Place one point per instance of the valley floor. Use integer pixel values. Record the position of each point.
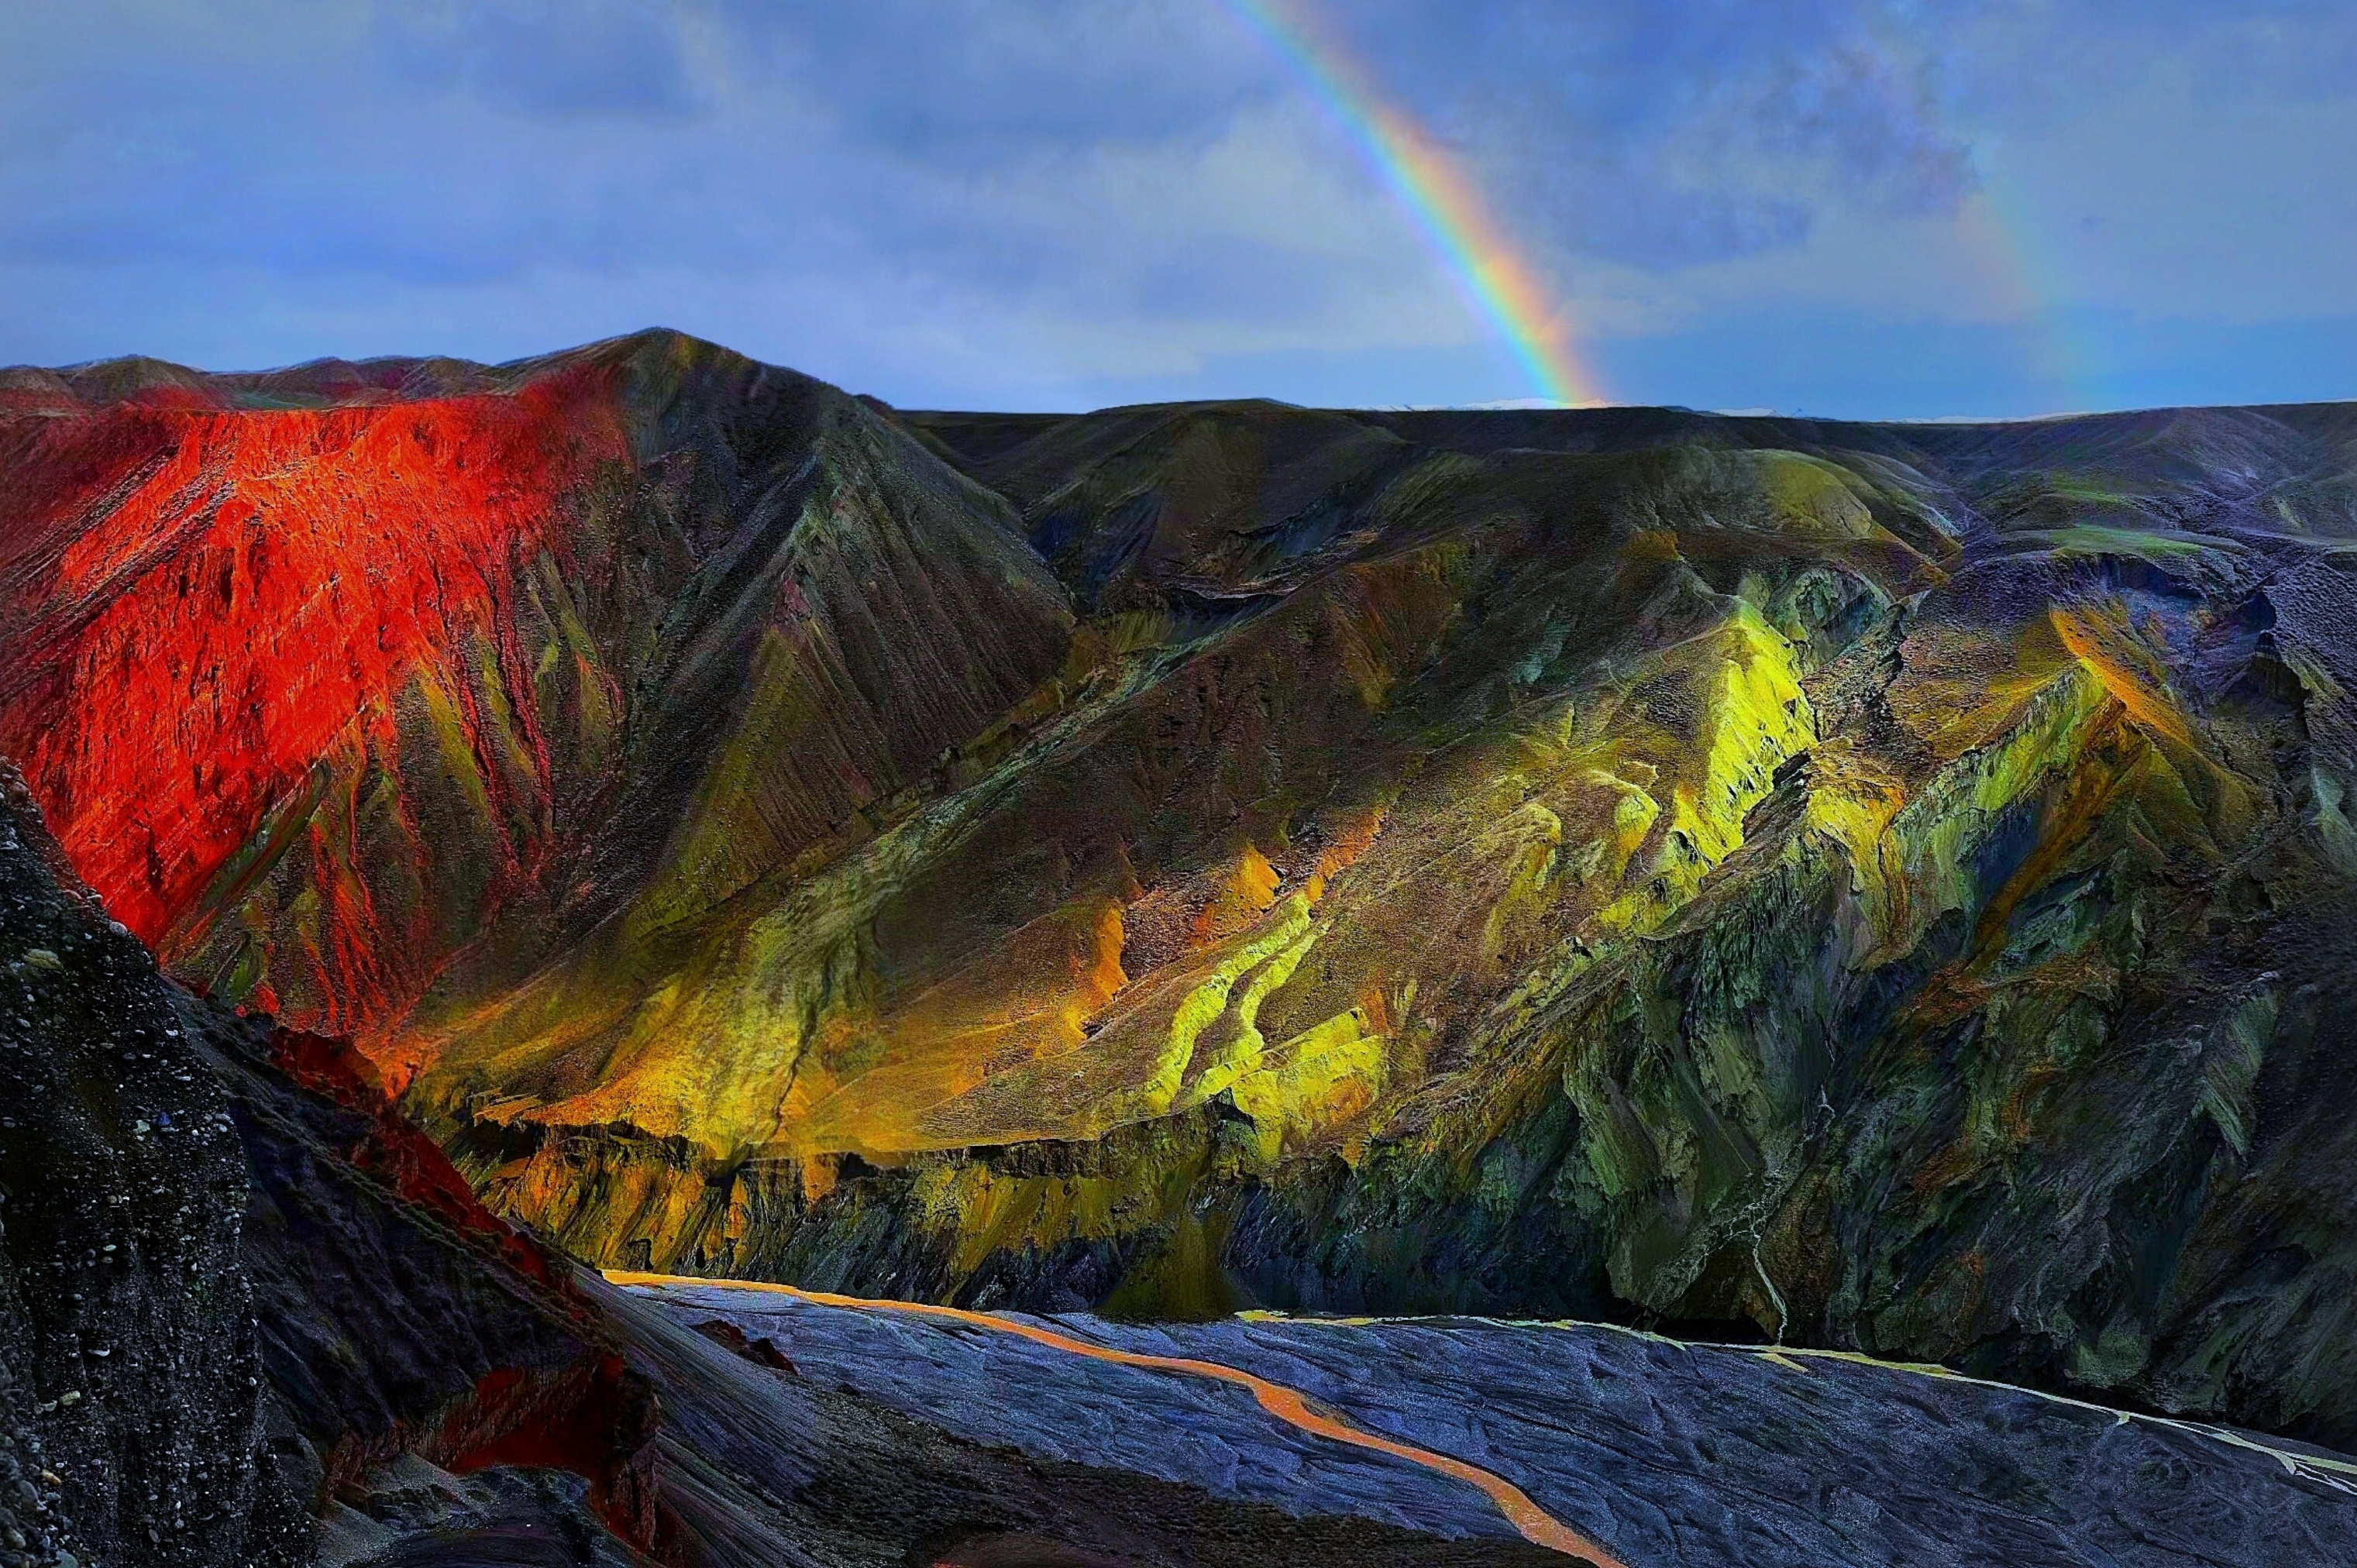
(1617, 1446)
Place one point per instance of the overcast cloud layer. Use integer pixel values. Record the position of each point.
(1865, 206)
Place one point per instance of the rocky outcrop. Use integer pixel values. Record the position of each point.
(135, 1420)
(230, 1300)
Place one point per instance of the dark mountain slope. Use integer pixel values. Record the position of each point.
(220, 1321)
(128, 1346)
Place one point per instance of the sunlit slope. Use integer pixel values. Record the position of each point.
(1885, 884)
(1839, 885)
(334, 677)
(1222, 856)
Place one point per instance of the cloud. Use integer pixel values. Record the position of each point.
(624, 58)
(978, 201)
(1675, 132)
(974, 84)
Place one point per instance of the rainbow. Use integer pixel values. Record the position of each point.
(1444, 204)
(1996, 231)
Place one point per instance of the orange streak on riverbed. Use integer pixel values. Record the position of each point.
(1535, 1523)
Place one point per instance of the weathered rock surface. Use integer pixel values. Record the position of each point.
(132, 1414)
(229, 1300)
(768, 1467)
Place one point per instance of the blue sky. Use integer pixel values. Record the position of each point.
(1895, 207)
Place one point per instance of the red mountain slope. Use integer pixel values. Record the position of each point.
(219, 597)
(444, 661)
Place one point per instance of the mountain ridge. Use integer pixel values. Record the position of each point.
(1869, 882)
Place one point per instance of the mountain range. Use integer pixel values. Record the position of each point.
(1869, 887)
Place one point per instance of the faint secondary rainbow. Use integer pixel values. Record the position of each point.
(1999, 234)
(1443, 203)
